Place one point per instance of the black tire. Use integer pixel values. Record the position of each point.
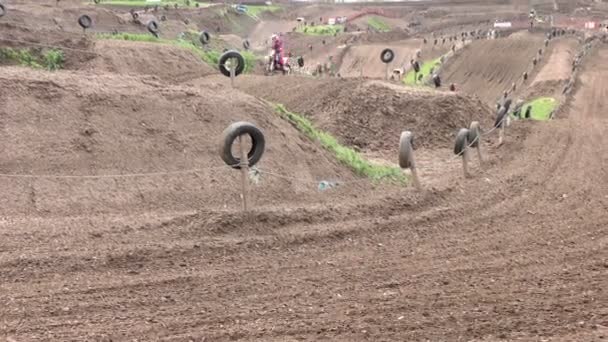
(301, 62)
(163, 18)
(204, 37)
(153, 27)
(246, 44)
(240, 67)
(406, 150)
(97, 1)
(416, 66)
(500, 116)
(528, 113)
(461, 141)
(231, 133)
(135, 15)
(474, 134)
(85, 21)
(387, 56)
(437, 81)
(507, 104)
(2, 10)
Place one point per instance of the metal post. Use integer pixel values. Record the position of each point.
(244, 163)
(386, 72)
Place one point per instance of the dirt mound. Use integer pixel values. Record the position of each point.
(486, 68)
(72, 123)
(364, 60)
(171, 63)
(372, 114)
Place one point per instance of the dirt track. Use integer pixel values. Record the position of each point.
(518, 252)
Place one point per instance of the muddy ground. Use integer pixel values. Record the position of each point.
(119, 221)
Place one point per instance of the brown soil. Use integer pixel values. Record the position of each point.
(170, 63)
(487, 68)
(82, 124)
(371, 114)
(516, 252)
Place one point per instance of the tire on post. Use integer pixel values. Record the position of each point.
(461, 141)
(234, 55)
(84, 21)
(474, 134)
(387, 56)
(204, 37)
(406, 148)
(500, 117)
(231, 133)
(153, 28)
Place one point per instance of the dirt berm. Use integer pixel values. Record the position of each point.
(486, 68)
(371, 114)
(171, 63)
(77, 124)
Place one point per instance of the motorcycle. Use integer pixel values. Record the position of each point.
(272, 64)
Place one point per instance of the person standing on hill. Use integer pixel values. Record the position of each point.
(277, 47)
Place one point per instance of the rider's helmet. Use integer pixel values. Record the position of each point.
(274, 36)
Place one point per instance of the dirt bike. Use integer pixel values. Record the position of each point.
(272, 63)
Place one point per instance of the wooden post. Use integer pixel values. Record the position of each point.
(479, 152)
(415, 174)
(232, 75)
(386, 72)
(465, 159)
(244, 163)
(501, 133)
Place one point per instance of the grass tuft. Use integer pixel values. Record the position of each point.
(378, 24)
(541, 108)
(51, 59)
(425, 69)
(321, 30)
(345, 155)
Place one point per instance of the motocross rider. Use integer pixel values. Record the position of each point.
(277, 48)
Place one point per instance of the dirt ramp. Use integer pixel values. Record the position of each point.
(486, 68)
(73, 124)
(170, 63)
(364, 60)
(372, 114)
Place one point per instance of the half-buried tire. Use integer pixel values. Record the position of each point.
(231, 55)
(231, 133)
(406, 150)
(474, 134)
(2, 10)
(153, 28)
(205, 37)
(460, 144)
(387, 56)
(246, 44)
(84, 21)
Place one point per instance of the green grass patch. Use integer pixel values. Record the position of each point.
(321, 30)
(541, 108)
(52, 59)
(144, 3)
(425, 69)
(378, 24)
(188, 42)
(345, 155)
(256, 10)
